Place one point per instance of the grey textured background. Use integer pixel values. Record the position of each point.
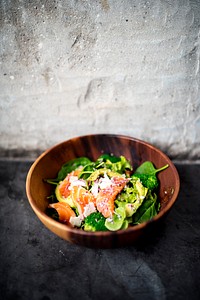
(71, 68)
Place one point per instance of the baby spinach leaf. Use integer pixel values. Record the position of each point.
(147, 210)
(88, 169)
(111, 158)
(71, 166)
(148, 168)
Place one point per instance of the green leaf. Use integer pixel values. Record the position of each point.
(148, 168)
(147, 210)
(111, 158)
(69, 167)
(116, 164)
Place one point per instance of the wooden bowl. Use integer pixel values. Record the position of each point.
(137, 151)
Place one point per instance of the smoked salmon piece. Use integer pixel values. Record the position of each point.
(63, 190)
(72, 186)
(106, 197)
(64, 211)
(81, 197)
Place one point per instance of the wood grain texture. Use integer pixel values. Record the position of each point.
(92, 146)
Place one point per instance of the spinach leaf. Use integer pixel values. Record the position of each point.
(111, 158)
(147, 210)
(69, 167)
(88, 169)
(148, 168)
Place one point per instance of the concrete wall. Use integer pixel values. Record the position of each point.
(71, 68)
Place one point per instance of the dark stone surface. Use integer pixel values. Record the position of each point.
(36, 264)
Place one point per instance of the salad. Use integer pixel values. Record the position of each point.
(106, 194)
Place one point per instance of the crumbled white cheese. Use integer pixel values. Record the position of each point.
(73, 178)
(110, 220)
(79, 182)
(74, 181)
(95, 189)
(88, 209)
(76, 221)
(105, 182)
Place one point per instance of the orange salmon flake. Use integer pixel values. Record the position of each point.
(64, 211)
(106, 197)
(65, 184)
(81, 197)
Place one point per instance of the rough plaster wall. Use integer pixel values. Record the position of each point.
(70, 68)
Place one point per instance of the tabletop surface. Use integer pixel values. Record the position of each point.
(36, 264)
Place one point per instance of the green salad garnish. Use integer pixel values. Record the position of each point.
(106, 194)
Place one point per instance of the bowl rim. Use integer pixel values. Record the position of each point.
(77, 231)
